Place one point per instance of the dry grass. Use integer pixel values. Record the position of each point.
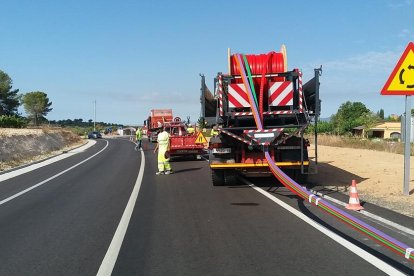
(362, 143)
(22, 146)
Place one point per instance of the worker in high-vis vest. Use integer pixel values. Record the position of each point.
(163, 146)
(190, 129)
(214, 131)
(138, 137)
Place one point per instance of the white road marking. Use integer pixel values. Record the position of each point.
(400, 228)
(111, 255)
(50, 178)
(350, 246)
(23, 170)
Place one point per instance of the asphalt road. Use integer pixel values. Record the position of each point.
(180, 224)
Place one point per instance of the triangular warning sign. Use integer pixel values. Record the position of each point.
(200, 139)
(401, 80)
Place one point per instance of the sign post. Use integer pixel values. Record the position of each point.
(401, 82)
(407, 146)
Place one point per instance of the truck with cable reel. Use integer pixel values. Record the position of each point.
(284, 108)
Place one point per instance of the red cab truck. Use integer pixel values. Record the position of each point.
(155, 121)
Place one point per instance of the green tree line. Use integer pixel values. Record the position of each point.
(349, 116)
(36, 104)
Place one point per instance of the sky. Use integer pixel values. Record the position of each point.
(134, 56)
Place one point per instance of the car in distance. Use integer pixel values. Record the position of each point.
(94, 135)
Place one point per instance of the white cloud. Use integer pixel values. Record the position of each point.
(399, 4)
(405, 34)
(356, 78)
(370, 62)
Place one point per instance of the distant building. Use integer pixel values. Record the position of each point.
(126, 131)
(394, 117)
(386, 130)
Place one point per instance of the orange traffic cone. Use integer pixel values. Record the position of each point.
(353, 198)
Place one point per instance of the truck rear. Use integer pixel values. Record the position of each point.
(183, 143)
(276, 124)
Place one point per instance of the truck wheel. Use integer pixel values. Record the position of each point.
(230, 177)
(217, 177)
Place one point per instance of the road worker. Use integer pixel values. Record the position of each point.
(138, 138)
(190, 129)
(163, 147)
(214, 131)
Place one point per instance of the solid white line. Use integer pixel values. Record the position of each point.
(35, 166)
(111, 255)
(394, 225)
(350, 246)
(50, 178)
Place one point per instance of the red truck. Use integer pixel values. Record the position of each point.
(260, 106)
(155, 121)
(183, 143)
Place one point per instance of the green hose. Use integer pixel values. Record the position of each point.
(249, 75)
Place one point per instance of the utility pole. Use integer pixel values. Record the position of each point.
(94, 111)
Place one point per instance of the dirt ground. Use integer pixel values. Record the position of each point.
(379, 175)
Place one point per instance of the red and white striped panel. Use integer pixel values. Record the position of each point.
(263, 130)
(237, 114)
(281, 93)
(234, 136)
(220, 87)
(238, 96)
(300, 92)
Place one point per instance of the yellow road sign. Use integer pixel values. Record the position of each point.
(200, 139)
(401, 80)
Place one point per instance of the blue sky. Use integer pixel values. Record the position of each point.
(132, 56)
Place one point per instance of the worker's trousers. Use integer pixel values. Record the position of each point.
(163, 163)
(138, 145)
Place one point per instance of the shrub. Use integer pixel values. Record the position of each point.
(12, 121)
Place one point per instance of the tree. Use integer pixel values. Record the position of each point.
(349, 115)
(9, 99)
(201, 123)
(369, 120)
(380, 114)
(37, 105)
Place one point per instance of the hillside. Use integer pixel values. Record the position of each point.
(20, 146)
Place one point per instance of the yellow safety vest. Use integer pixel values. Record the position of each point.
(139, 134)
(214, 132)
(163, 141)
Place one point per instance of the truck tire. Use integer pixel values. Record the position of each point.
(230, 178)
(217, 177)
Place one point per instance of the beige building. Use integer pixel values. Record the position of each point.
(386, 130)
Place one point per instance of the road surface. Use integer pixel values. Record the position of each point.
(104, 209)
